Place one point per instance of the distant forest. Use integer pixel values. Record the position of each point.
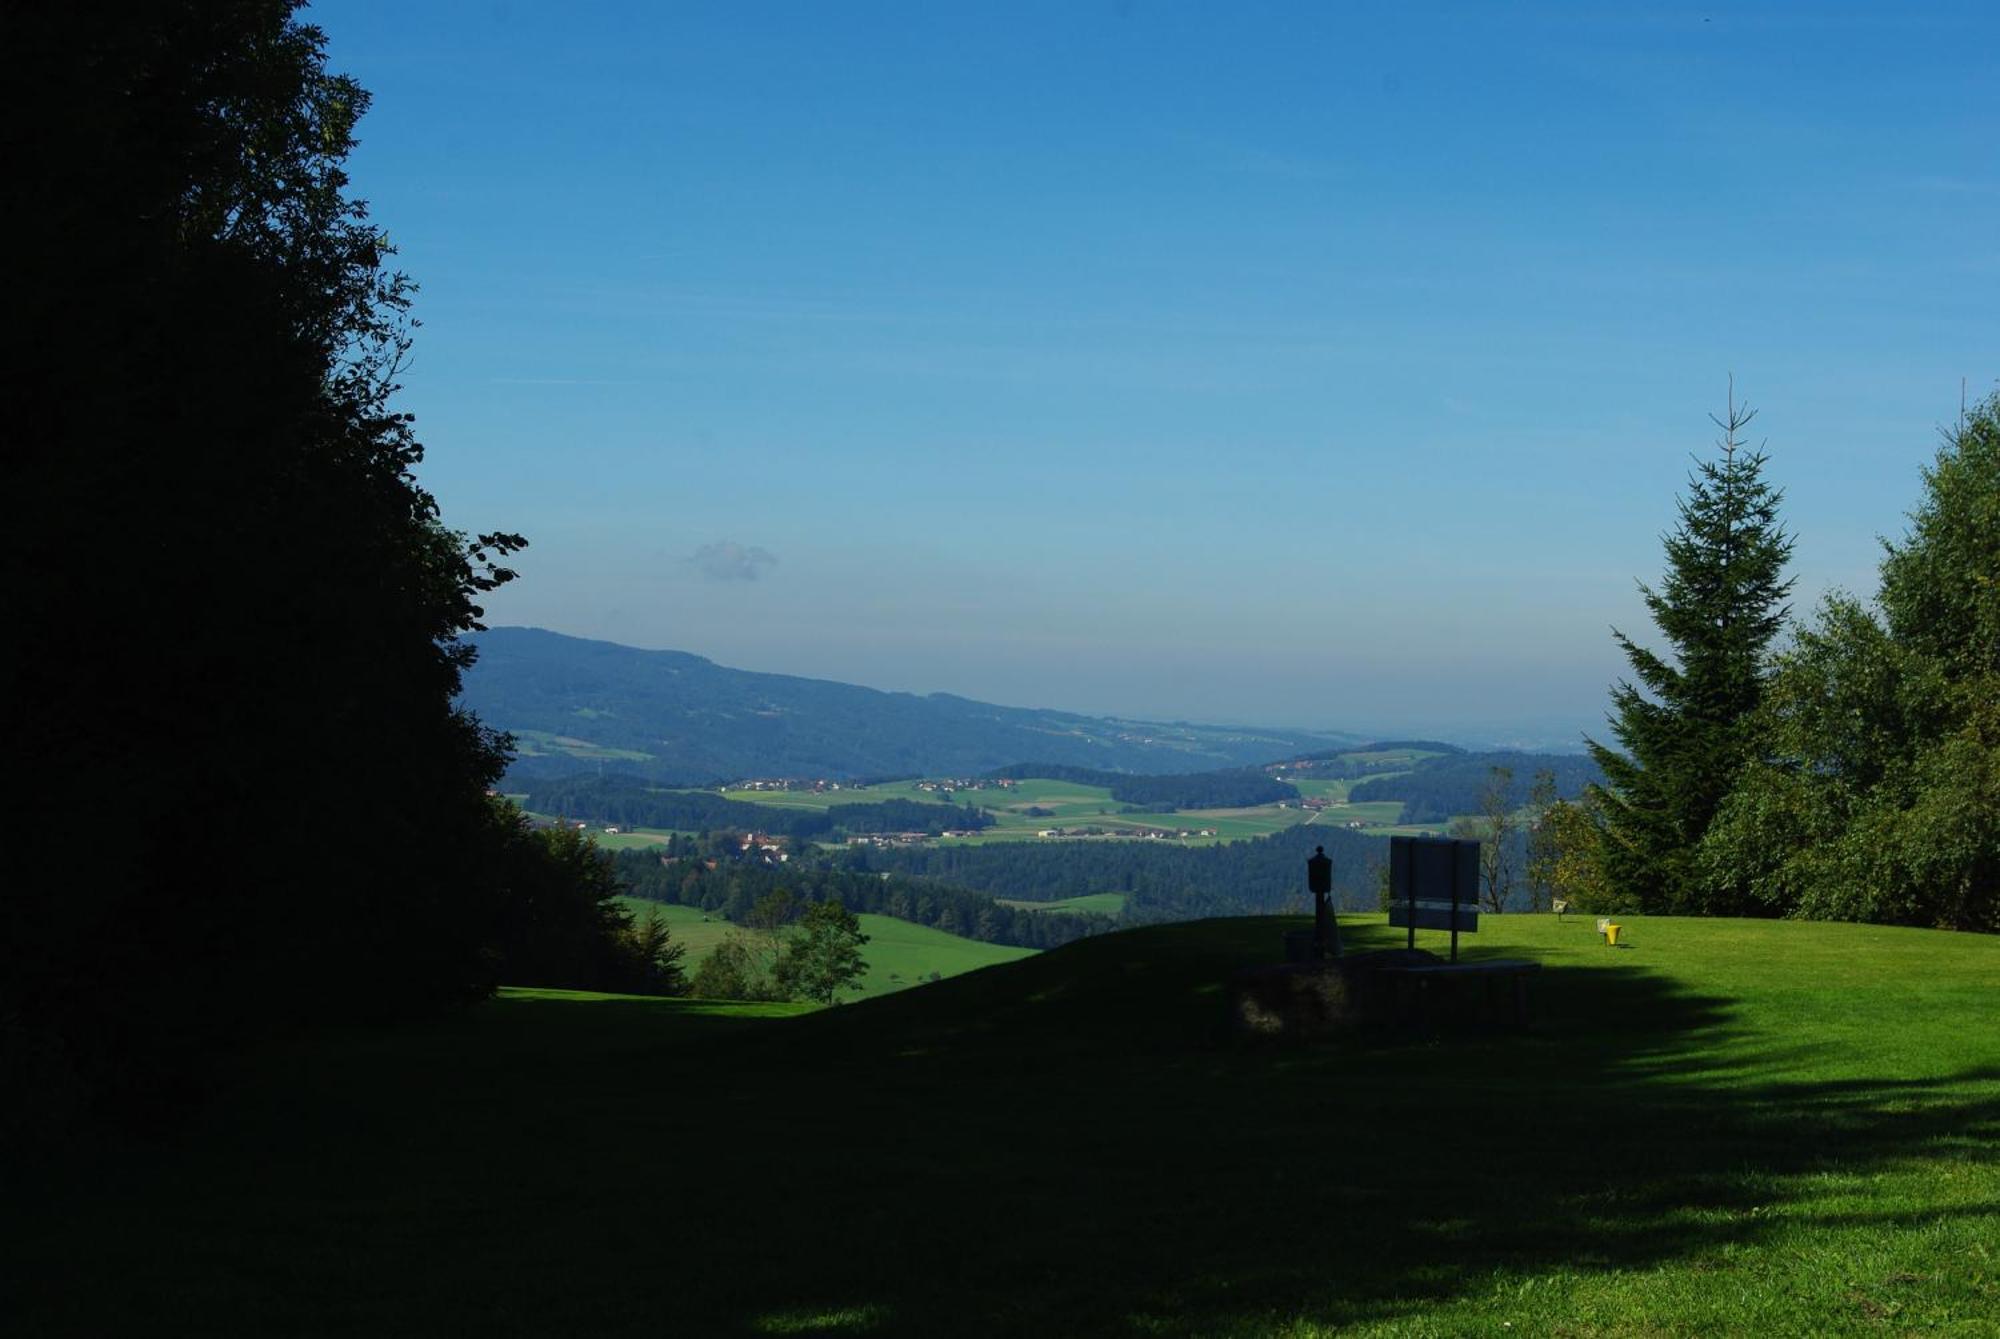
(1340, 765)
(680, 719)
(731, 889)
(1161, 882)
(1232, 788)
(631, 802)
(1440, 788)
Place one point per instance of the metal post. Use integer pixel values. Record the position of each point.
(1454, 906)
(1410, 875)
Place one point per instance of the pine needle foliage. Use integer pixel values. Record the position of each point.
(1681, 722)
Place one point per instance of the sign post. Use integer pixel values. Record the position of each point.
(1434, 885)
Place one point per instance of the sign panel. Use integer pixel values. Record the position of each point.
(1430, 916)
(1433, 869)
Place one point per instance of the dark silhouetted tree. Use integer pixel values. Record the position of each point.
(230, 608)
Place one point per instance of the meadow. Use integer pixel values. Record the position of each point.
(1090, 904)
(899, 953)
(1730, 1127)
(826, 799)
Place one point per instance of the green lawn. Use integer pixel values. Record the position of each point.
(899, 953)
(1729, 1128)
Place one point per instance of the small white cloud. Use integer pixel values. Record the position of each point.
(726, 560)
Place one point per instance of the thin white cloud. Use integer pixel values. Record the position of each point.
(726, 560)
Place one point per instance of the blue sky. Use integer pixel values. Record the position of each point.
(1313, 364)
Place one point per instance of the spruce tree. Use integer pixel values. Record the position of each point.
(1682, 729)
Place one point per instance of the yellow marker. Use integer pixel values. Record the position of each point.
(1611, 929)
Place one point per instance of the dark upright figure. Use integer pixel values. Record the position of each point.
(1319, 878)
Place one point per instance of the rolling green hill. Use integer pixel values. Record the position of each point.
(1732, 1127)
(674, 717)
(899, 954)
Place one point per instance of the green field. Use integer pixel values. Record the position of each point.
(899, 953)
(697, 930)
(1337, 790)
(1729, 1128)
(826, 799)
(1069, 804)
(634, 838)
(1093, 904)
(542, 743)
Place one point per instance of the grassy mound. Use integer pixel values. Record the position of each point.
(1731, 1126)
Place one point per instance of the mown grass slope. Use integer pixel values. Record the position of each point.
(1730, 1127)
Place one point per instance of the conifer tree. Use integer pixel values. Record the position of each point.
(1682, 729)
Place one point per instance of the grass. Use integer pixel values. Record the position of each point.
(697, 930)
(1729, 1128)
(1094, 904)
(631, 839)
(899, 954)
(826, 799)
(1336, 789)
(542, 744)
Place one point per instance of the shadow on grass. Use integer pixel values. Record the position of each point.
(1064, 1145)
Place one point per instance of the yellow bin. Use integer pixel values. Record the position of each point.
(1611, 934)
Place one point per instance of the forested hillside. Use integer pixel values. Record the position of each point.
(1437, 789)
(632, 803)
(1162, 882)
(674, 717)
(733, 888)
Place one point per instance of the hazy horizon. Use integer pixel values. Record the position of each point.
(1548, 736)
(1286, 366)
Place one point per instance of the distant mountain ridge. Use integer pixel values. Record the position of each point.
(674, 717)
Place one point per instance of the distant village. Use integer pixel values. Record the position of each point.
(934, 785)
(1142, 834)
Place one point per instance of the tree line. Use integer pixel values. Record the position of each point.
(732, 889)
(1342, 764)
(1161, 881)
(632, 802)
(1848, 771)
(1230, 788)
(1437, 789)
